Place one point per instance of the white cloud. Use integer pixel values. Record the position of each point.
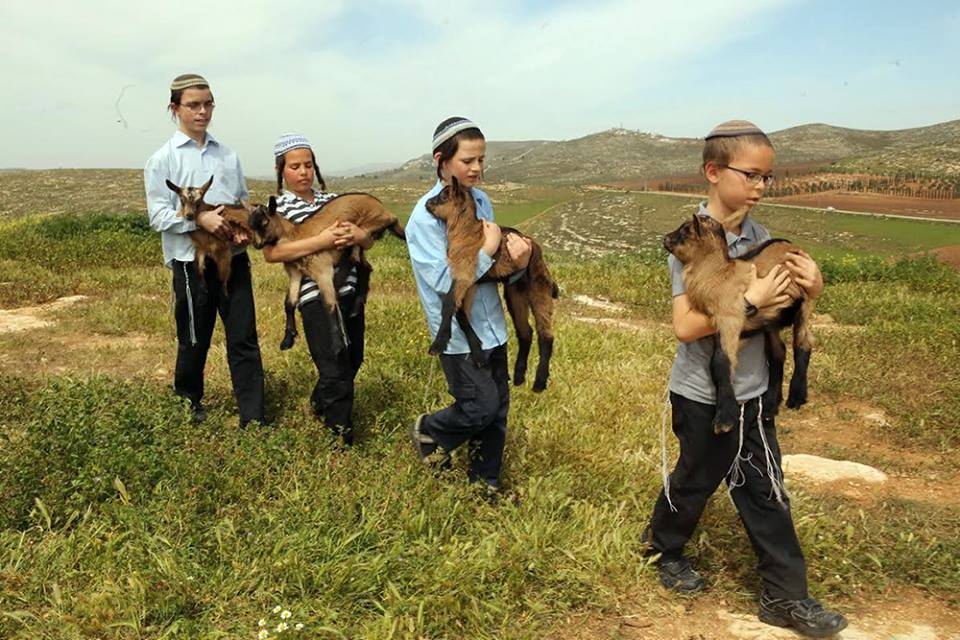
(274, 69)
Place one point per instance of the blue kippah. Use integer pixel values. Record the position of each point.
(288, 142)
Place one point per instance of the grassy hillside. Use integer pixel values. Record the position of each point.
(119, 518)
(618, 155)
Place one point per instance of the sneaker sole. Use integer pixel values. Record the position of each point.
(773, 620)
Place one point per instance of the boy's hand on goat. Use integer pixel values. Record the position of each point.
(769, 290)
(518, 248)
(241, 238)
(212, 222)
(348, 234)
(805, 272)
(491, 237)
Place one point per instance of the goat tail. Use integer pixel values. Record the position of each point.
(802, 336)
(555, 290)
(397, 229)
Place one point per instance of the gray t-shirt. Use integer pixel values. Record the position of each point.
(690, 376)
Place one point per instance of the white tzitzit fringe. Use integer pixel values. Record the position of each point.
(777, 489)
(663, 450)
(735, 477)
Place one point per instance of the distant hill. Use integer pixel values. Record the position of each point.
(618, 155)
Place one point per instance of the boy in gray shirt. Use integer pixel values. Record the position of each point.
(737, 162)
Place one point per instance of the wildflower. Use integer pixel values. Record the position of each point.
(283, 626)
(263, 635)
(277, 609)
(298, 626)
(285, 614)
(262, 623)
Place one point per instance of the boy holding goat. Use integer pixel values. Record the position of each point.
(737, 163)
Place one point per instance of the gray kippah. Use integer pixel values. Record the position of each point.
(188, 80)
(735, 128)
(451, 129)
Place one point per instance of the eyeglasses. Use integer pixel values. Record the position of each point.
(196, 106)
(753, 178)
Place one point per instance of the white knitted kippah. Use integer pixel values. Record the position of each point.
(288, 142)
(188, 80)
(451, 129)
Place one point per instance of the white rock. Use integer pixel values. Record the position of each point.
(826, 470)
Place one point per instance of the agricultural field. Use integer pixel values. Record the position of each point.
(120, 518)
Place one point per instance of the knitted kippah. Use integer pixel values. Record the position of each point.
(450, 129)
(734, 128)
(288, 142)
(188, 80)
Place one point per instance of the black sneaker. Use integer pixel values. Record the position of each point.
(676, 574)
(806, 617)
(198, 412)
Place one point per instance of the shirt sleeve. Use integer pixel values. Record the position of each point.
(161, 208)
(242, 192)
(676, 276)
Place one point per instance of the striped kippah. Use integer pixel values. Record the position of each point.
(288, 142)
(450, 129)
(188, 80)
(734, 128)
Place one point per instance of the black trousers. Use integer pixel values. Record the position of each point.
(705, 459)
(478, 415)
(196, 305)
(332, 397)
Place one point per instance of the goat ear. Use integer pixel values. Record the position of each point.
(173, 187)
(206, 185)
(697, 227)
(272, 205)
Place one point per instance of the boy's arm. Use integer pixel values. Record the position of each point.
(296, 249)
(688, 323)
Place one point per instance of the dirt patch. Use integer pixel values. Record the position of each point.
(948, 255)
(871, 203)
(25, 318)
(906, 615)
(56, 353)
(599, 303)
(637, 326)
(856, 431)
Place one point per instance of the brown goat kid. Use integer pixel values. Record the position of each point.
(715, 285)
(270, 227)
(534, 291)
(205, 243)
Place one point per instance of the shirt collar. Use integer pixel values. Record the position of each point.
(180, 139)
(747, 227)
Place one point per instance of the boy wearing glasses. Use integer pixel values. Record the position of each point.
(737, 163)
(189, 158)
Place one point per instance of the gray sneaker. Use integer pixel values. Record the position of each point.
(676, 574)
(806, 617)
(423, 443)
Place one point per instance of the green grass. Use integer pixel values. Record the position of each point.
(119, 518)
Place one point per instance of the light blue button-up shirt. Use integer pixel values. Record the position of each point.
(185, 163)
(690, 376)
(427, 243)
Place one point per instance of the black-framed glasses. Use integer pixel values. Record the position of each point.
(752, 177)
(196, 106)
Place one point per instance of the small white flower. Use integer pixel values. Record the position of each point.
(285, 615)
(263, 635)
(277, 609)
(262, 623)
(298, 626)
(283, 626)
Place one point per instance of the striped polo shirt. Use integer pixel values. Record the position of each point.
(297, 210)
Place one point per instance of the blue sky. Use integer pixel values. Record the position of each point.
(368, 81)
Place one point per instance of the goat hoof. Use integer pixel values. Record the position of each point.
(796, 403)
(539, 386)
(286, 344)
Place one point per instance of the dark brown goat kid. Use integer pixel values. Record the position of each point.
(205, 243)
(269, 227)
(534, 291)
(715, 285)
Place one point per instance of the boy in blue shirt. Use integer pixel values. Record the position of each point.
(737, 162)
(478, 415)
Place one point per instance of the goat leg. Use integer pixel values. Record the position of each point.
(473, 340)
(776, 356)
(797, 396)
(519, 310)
(289, 305)
(728, 409)
(446, 323)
